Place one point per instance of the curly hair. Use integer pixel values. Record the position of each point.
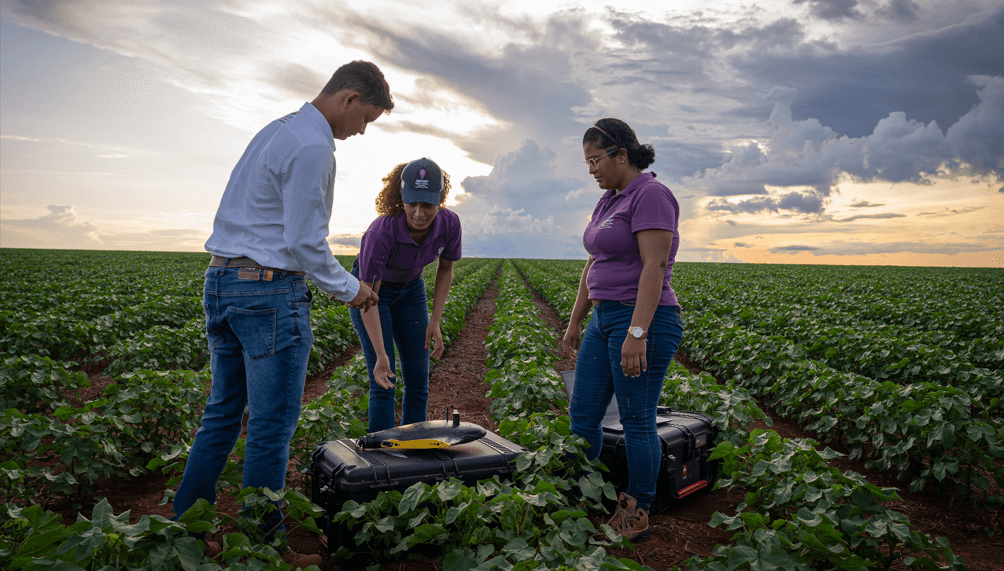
(389, 202)
(610, 133)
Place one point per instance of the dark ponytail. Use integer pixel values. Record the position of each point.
(609, 133)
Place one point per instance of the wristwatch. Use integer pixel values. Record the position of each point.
(637, 332)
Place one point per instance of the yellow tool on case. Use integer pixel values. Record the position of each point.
(424, 435)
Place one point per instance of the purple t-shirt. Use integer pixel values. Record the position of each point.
(646, 204)
(388, 252)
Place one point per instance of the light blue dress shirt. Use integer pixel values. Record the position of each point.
(277, 205)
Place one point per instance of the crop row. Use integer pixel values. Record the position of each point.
(924, 431)
(869, 349)
(967, 303)
(54, 444)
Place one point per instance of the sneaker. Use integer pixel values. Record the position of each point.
(629, 520)
(212, 548)
(301, 560)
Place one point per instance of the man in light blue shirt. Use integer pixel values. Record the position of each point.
(269, 237)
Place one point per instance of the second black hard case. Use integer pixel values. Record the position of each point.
(687, 439)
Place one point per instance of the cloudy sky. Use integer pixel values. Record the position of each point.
(800, 131)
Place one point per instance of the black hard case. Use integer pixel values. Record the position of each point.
(341, 471)
(687, 440)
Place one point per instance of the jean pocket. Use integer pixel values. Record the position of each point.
(255, 328)
(301, 292)
(213, 337)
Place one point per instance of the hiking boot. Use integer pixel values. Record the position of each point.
(212, 548)
(629, 520)
(302, 560)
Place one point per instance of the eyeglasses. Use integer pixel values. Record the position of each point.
(591, 161)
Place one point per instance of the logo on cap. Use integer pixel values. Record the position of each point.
(421, 173)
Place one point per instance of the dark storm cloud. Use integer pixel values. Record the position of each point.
(522, 84)
(804, 203)
(522, 208)
(900, 10)
(809, 153)
(924, 76)
(675, 160)
(833, 10)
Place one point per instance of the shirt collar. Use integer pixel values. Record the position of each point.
(317, 119)
(637, 182)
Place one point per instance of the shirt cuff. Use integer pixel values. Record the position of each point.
(351, 290)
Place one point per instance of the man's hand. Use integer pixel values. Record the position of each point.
(365, 299)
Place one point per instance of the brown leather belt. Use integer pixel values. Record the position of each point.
(217, 262)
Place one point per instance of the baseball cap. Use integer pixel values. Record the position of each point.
(422, 181)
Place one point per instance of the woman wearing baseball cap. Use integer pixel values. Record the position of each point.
(413, 229)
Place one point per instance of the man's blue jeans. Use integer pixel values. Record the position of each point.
(259, 336)
(598, 377)
(404, 316)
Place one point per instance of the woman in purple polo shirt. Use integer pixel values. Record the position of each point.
(413, 229)
(635, 329)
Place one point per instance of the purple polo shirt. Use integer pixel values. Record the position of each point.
(388, 252)
(646, 204)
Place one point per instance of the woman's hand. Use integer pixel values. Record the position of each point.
(570, 342)
(382, 372)
(433, 332)
(633, 361)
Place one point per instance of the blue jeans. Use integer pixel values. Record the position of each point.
(598, 377)
(404, 316)
(259, 336)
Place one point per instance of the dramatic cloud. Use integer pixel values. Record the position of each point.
(833, 10)
(804, 203)
(522, 200)
(807, 153)
(770, 115)
(923, 73)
